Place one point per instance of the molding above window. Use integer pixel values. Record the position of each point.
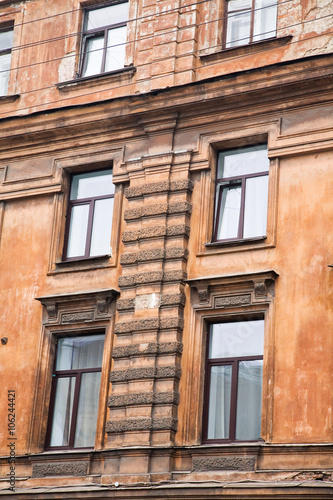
(219, 54)
(117, 76)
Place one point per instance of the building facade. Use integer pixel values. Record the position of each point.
(166, 256)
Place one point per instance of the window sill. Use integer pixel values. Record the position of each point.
(218, 247)
(207, 55)
(84, 264)
(117, 76)
(9, 98)
(235, 242)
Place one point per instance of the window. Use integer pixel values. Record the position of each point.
(75, 392)
(241, 194)
(89, 217)
(6, 43)
(234, 381)
(104, 39)
(250, 21)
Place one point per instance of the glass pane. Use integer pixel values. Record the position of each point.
(229, 213)
(102, 223)
(94, 55)
(78, 231)
(264, 19)
(239, 5)
(113, 14)
(92, 184)
(87, 410)
(80, 352)
(4, 72)
(241, 338)
(249, 400)
(62, 414)
(243, 161)
(6, 39)
(238, 29)
(115, 54)
(219, 402)
(256, 198)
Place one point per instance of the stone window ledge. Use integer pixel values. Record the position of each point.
(117, 76)
(9, 98)
(209, 55)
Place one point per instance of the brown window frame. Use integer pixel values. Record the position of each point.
(242, 43)
(56, 375)
(83, 201)
(225, 183)
(102, 30)
(234, 362)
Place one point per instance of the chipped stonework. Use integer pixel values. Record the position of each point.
(147, 349)
(141, 424)
(233, 301)
(143, 398)
(148, 301)
(145, 373)
(223, 463)
(60, 469)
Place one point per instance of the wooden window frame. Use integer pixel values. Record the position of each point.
(96, 32)
(77, 374)
(83, 201)
(225, 183)
(234, 362)
(226, 21)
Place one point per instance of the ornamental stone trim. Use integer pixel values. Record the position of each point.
(182, 207)
(233, 301)
(132, 280)
(143, 399)
(147, 349)
(78, 317)
(156, 232)
(145, 373)
(173, 299)
(60, 469)
(141, 424)
(125, 304)
(223, 463)
(177, 275)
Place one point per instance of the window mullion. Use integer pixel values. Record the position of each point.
(104, 50)
(89, 228)
(233, 402)
(252, 20)
(242, 209)
(75, 409)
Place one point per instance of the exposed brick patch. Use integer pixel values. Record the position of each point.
(143, 398)
(223, 463)
(147, 349)
(145, 373)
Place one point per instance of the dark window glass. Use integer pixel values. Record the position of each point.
(75, 392)
(6, 43)
(250, 21)
(90, 211)
(241, 194)
(104, 39)
(234, 381)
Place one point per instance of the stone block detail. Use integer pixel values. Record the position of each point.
(60, 469)
(141, 424)
(148, 349)
(223, 463)
(145, 373)
(156, 232)
(139, 325)
(140, 279)
(143, 399)
(151, 255)
(233, 301)
(159, 187)
(177, 275)
(183, 207)
(173, 299)
(124, 304)
(166, 323)
(178, 230)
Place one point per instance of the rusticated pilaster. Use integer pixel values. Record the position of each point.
(148, 347)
